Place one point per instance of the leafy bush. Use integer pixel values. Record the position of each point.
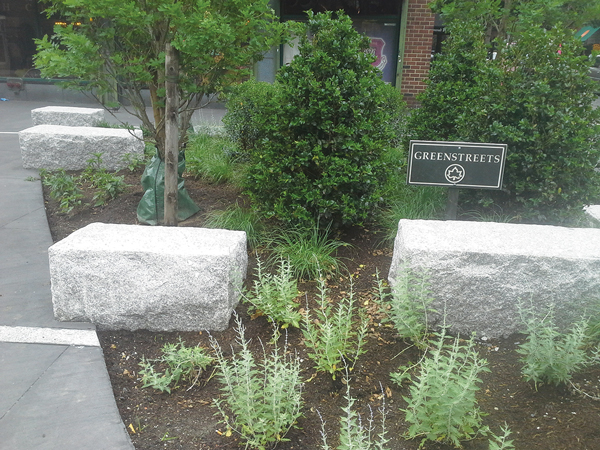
(550, 356)
(530, 97)
(320, 154)
(330, 334)
(262, 400)
(273, 295)
(442, 404)
(407, 306)
(248, 105)
(180, 361)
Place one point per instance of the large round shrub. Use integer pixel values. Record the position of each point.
(536, 97)
(318, 156)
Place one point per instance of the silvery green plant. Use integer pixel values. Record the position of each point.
(550, 356)
(329, 332)
(273, 294)
(354, 435)
(181, 362)
(502, 442)
(442, 404)
(261, 399)
(407, 306)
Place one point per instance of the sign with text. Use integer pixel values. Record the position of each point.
(456, 164)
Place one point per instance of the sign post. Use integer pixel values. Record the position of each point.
(456, 165)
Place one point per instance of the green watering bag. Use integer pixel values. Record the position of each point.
(151, 208)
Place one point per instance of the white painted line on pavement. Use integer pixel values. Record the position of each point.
(9, 132)
(56, 336)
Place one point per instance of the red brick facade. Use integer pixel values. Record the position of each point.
(417, 49)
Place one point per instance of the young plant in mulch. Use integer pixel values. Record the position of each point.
(180, 362)
(354, 434)
(273, 295)
(68, 189)
(63, 188)
(261, 399)
(407, 306)
(550, 356)
(332, 334)
(442, 404)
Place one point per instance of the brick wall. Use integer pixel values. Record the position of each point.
(417, 49)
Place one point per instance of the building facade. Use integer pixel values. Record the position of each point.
(401, 33)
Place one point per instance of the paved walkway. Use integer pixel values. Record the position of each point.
(55, 392)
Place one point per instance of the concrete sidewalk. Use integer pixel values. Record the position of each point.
(55, 392)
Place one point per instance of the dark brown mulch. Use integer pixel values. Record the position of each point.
(551, 418)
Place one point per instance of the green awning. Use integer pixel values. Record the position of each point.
(586, 32)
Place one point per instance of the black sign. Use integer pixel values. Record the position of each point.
(458, 164)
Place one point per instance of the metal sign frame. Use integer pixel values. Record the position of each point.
(468, 165)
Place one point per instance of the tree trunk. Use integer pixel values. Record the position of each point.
(171, 135)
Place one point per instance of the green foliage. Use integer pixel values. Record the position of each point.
(212, 158)
(273, 295)
(63, 188)
(107, 185)
(238, 218)
(67, 189)
(134, 161)
(261, 400)
(442, 404)
(408, 305)
(119, 46)
(502, 442)
(550, 356)
(319, 158)
(411, 202)
(531, 97)
(180, 362)
(310, 251)
(249, 105)
(353, 434)
(330, 334)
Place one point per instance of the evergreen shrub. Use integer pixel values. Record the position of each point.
(536, 96)
(318, 158)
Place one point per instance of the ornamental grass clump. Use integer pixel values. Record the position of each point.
(273, 295)
(442, 404)
(311, 251)
(261, 400)
(330, 332)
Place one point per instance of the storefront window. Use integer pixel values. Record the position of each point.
(351, 7)
(21, 21)
(377, 19)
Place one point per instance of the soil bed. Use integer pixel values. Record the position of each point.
(550, 418)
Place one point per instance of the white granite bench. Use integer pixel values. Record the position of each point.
(593, 214)
(54, 147)
(67, 116)
(479, 272)
(156, 278)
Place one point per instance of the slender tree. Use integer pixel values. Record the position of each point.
(118, 47)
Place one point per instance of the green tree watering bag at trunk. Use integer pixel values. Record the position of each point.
(150, 210)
